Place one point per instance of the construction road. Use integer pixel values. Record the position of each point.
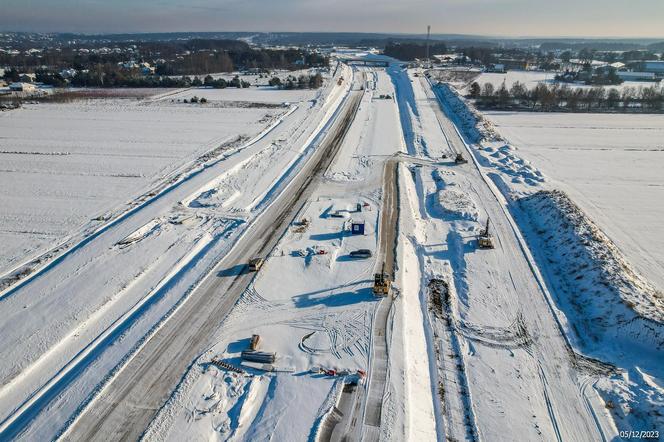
(124, 409)
(379, 356)
(548, 365)
(368, 401)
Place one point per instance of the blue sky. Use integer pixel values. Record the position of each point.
(619, 18)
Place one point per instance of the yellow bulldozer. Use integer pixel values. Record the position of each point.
(382, 283)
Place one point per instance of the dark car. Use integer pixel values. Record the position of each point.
(361, 253)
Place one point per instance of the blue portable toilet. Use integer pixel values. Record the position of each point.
(357, 228)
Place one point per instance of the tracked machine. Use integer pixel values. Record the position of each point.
(485, 240)
(382, 283)
(459, 159)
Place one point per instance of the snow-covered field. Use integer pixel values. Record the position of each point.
(261, 94)
(550, 335)
(64, 164)
(502, 361)
(531, 78)
(610, 164)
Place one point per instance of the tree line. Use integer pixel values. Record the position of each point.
(301, 82)
(188, 57)
(169, 58)
(410, 51)
(557, 97)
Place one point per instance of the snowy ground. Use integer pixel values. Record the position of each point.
(501, 361)
(64, 164)
(261, 94)
(531, 78)
(495, 344)
(609, 311)
(74, 322)
(314, 309)
(611, 165)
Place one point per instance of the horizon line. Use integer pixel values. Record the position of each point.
(483, 36)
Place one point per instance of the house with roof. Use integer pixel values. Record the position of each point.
(20, 86)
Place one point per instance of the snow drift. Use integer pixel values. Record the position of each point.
(616, 314)
(596, 280)
(469, 120)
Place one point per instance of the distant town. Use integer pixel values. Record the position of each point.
(32, 65)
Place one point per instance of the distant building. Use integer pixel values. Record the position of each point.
(129, 65)
(451, 58)
(22, 87)
(496, 67)
(636, 76)
(654, 66)
(147, 70)
(513, 64)
(27, 78)
(68, 73)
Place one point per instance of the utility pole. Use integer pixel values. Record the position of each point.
(428, 35)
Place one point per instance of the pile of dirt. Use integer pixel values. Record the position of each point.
(593, 280)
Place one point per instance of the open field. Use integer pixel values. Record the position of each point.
(611, 165)
(66, 163)
(261, 94)
(531, 78)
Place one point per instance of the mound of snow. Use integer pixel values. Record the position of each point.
(469, 120)
(599, 284)
(511, 165)
(615, 314)
(458, 204)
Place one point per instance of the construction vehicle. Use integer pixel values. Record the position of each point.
(485, 239)
(254, 341)
(382, 283)
(255, 264)
(460, 159)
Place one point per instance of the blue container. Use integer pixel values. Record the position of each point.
(357, 228)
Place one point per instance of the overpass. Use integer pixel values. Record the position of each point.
(364, 61)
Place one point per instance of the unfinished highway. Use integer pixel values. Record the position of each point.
(548, 365)
(125, 407)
